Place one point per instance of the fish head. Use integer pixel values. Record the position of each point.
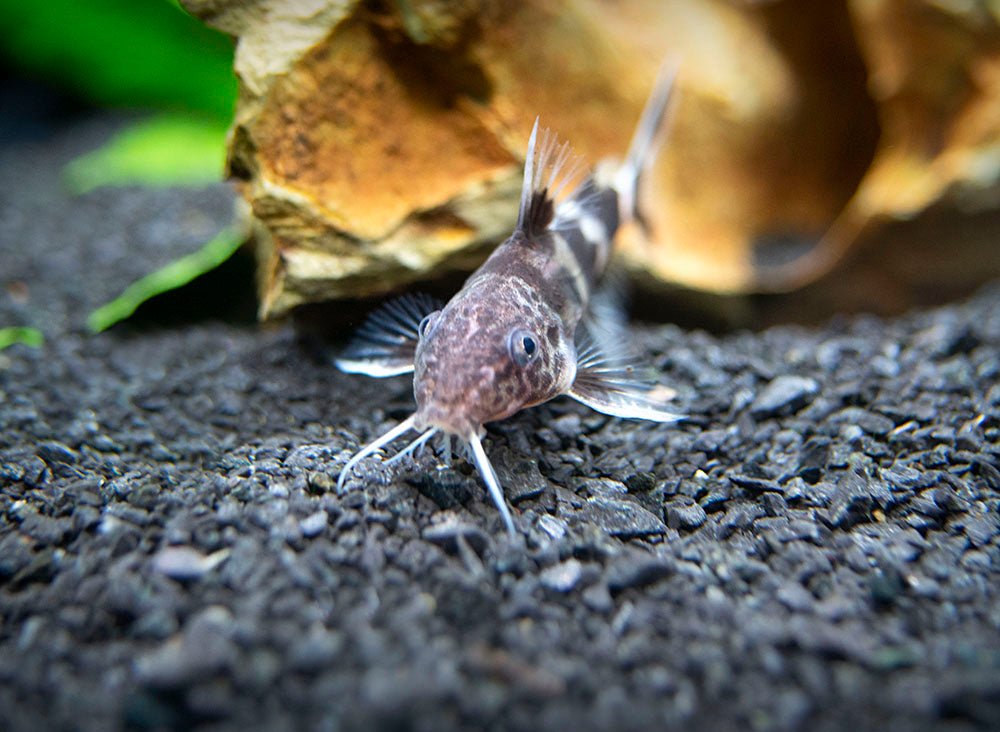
(493, 350)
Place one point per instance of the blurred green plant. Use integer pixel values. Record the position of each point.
(20, 334)
(147, 54)
(133, 53)
(165, 150)
(123, 53)
(177, 273)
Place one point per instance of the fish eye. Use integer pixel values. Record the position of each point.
(523, 346)
(425, 324)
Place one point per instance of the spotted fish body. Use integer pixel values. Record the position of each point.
(512, 336)
(516, 317)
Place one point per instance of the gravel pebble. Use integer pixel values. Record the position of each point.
(314, 523)
(315, 650)
(447, 533)
(15, 553)
(562, 577)
(620, 518)
(785, 394)
(186, 563)
(689, 516)
(203, 648)
(796, 597)
(636, 571)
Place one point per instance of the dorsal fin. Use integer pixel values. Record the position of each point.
(551, 173)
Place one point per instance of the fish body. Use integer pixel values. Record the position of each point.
(506, 341)
(512, 336)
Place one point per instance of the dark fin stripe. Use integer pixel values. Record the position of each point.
(588, 221)
(583, 252)
(570, 251)
(552, 173)
(541, 211)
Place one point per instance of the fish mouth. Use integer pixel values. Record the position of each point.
(446, 421)
(457, 404)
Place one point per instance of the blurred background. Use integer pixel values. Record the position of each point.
(824, 157)
(114, 111)
(62, 58)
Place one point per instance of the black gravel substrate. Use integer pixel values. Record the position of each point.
(816, 548)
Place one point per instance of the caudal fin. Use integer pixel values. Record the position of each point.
(642, 149)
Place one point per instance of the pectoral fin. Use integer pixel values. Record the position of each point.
(614, 383)
(386, 342)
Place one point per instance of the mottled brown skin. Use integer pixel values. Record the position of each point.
(465, 375)
(539, 280)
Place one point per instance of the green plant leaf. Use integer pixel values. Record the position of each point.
(126, 53)
(177, 273)
(21, 334)
(167, 150)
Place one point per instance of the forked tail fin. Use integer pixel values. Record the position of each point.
(642, 149)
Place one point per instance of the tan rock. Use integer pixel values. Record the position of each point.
(380, 144)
